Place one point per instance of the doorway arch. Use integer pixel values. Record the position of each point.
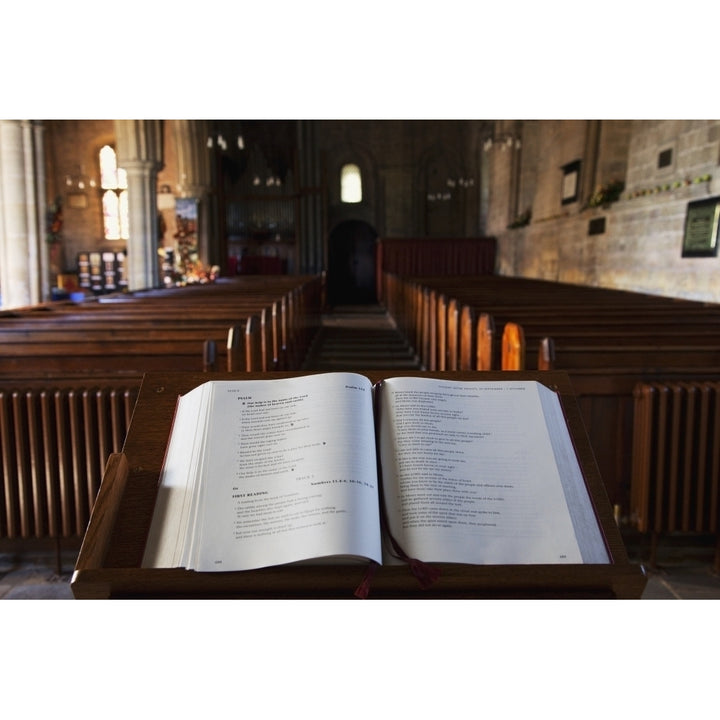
(351, 278)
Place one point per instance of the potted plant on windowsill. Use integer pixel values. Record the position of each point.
(605, 195)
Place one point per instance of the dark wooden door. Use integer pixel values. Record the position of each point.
(351, 278)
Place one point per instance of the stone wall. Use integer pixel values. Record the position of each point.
(664, 164)
(72, 148)
(409, 163)
(640, 248)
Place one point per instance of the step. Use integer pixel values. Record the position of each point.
(359, 338)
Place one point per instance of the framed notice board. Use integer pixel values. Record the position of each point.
(701, 228)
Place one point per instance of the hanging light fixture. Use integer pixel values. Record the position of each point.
(453, 184)
(507, 141)
(79, 182)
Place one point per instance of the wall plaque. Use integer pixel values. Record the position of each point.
(701, 228)
(77, 200)
(665, 158)
(570, 182)
(596, 226)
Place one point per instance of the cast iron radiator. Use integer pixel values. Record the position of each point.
(675, 484)
(54, 445)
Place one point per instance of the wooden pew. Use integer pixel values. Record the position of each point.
(485, 342)
(624, 334)
(440, 256)
(513, 347)
(69, 376)
(271, 321)
(607, 341)
(546, 354)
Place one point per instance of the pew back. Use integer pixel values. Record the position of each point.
(70, 374)
(606, 340)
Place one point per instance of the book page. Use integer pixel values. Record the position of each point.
(470, 473)
(171, 516)
(287, 473)
(580, 506)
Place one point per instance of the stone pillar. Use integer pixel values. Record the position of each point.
(139, 152)
(309, 224)
(196, 181)
(193, 167)
(21, 219)
(484, 191)
(589, 174)
(38, 139)
(502, 173)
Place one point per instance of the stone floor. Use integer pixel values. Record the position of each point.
(684, 568)
(29, 572)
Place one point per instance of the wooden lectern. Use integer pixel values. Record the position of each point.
(109, 563)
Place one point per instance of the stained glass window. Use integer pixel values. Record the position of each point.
(111, 215)
(113, 181)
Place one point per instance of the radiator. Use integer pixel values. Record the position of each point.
(54, 445)
(676, 457)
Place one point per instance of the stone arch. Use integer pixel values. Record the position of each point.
(367, 209)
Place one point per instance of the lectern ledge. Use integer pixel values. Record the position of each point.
(123, 528)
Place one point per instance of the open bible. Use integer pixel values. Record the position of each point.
(329, 467)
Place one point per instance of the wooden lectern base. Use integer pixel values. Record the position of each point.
(109, 563)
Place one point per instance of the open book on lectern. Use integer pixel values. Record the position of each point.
(325, 467)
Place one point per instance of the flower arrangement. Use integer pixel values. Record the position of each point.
(185, 268)
(606, 194)
(197, 273)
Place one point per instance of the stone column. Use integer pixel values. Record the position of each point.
(21, 220)
(139, 152)
(502, 174)
(43, 276)
(193, 167)
(309, 224)
(196, 181)
(589, 174)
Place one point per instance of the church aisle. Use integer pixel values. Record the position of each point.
(359, 337)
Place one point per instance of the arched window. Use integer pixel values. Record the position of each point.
(350, 184)
(113, 181)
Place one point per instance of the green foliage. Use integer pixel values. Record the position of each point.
(606, 194)
(521, 220)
